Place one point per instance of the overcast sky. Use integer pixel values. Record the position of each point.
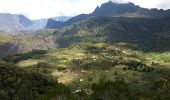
(35, 9)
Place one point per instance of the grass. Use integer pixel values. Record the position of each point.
(5, 38)
(28, 63)
(162, 58)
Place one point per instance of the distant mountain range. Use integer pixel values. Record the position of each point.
(15, 23)
(112, 9)
(41, 23)
(109, 23)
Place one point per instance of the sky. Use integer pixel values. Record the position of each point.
(36, 9)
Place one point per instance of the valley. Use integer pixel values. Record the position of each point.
(117, 52)
(82, 65)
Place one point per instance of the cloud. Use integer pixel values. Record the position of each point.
(47, 8)
(36, 9)
(161, 4)
(165, 4)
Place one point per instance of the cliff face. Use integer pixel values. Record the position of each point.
(22, 46)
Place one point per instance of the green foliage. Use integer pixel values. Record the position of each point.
(162, 87)
(149, 34)
(88, 63)
(136, 65)
(5, 38)
(61, 92)
(93, 49)
(19, 84)
(112, 90)
(19, 57)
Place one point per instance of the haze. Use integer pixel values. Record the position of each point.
(36, 9)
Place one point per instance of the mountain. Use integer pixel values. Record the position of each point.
(17, 44)
(113, 9)
(52, 24)
(24, 20)
(128, 10)
(62, 18)
(146, 33)
(41, 23)
(12, 23)
(105, 55)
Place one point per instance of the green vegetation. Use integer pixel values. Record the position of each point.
(5, 38)
(149, 34)
(18, 44)
(20, 84)
(84, 56)
(93, 71)
(110, 90)
(104, 58)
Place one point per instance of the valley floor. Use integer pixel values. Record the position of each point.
(99, 71)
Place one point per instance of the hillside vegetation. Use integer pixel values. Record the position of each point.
(92, 69)
(101, 58)
(118, 52)
(149, 34)
(21, 84)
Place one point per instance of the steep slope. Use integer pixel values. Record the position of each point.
(41, 23)
(10, 45)
(128, 10)
(146, 33)
(62, 18)
(113, 9)
(24, 20)
(52, 24)
(13, 23)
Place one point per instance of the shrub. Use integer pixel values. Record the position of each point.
(20, 84)
(161, 88)
(112, 90)
(93, 49)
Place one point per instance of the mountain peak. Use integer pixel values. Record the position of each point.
(110, 1)
(115, 8)
(52, 24)
(114, 2)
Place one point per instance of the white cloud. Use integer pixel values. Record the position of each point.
(35, 9)
(47, 8)
(161, 4)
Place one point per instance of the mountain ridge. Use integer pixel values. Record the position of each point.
(149, 33)
(112, 9)
(13, 23)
